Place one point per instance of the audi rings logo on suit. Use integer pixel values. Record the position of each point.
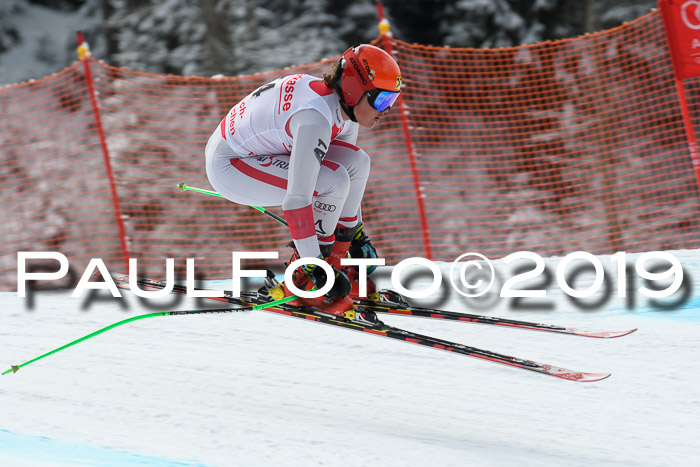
(324, 206)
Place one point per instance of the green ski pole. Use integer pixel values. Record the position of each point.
(15, 368)
(184, 187)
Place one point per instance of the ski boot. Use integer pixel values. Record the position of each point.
(347, 241)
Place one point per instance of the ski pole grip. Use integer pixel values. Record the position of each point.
(182, 186)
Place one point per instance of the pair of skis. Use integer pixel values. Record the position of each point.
(364, 320)
(366, 313)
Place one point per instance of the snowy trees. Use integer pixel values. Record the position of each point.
(232, 37)
(206, 37)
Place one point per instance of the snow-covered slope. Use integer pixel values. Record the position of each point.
(261, 389)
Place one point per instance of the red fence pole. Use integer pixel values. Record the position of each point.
(83, 54)
(384, 30)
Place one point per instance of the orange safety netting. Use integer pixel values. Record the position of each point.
(554, 147)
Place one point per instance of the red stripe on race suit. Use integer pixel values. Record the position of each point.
(327, 240)
(270, 179)
(301, 222)
(345, 144)
(320, 88)
(335, 131)
(331, 165)
(259, 175)
(223, 128)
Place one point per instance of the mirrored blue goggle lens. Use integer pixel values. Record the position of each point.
(383, 100)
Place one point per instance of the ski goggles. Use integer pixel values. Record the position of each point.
(381, 100)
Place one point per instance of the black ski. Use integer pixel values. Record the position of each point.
(404, 310)
(393, 303)
(366, 322)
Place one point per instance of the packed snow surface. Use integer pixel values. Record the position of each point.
(257, 388)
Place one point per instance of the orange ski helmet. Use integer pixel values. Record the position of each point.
(367, 70)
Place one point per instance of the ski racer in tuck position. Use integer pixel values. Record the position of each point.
(291, 142)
